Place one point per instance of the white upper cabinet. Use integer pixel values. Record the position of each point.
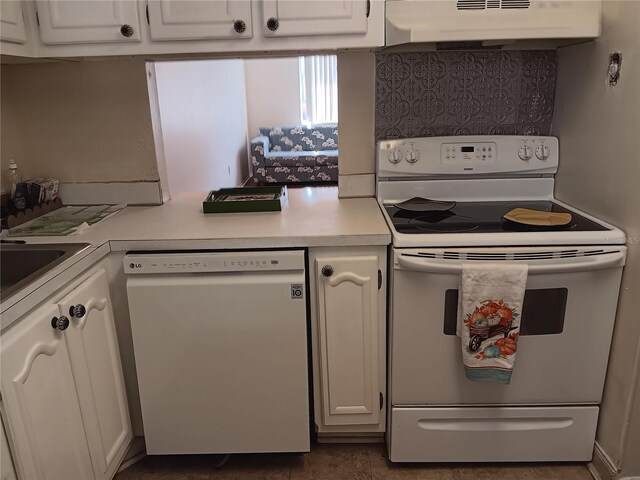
(88, 21)
(12, 27)
(286, 18)
(39, 396)
(347, 292)
(97, 28)
(197, 19)
(95, 358)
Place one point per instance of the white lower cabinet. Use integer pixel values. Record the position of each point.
(39, 394)
(63, 392)
(7, 471)
(95, 360)
(349, 325)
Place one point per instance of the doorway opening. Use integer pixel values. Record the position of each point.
(245, 122)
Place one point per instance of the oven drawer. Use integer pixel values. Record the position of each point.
(500, 434)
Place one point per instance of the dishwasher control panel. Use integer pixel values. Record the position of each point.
(212, 262)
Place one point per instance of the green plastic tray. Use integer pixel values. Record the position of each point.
(222, 201)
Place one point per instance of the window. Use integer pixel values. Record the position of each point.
(318, 89)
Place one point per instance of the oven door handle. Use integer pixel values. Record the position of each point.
(562, 265)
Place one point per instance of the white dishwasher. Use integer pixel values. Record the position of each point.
(220, 341)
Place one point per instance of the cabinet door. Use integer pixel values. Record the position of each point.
(6, 464)
(12, 22)
(348, 324)
(196, 19)
(286, 18)
(88, 21)
(95, 359)
(39, 395)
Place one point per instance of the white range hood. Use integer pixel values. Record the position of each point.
(490, 21)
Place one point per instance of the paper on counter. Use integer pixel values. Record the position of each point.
(66, 221)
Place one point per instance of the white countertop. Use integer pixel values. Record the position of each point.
(312, 216)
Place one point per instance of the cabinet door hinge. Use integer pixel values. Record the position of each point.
(381, 400)
(146, 11)
(379, 279)
(368, 8)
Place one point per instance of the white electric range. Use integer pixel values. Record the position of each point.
(549, 411)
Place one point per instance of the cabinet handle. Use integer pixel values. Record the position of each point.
(273, 24)
(239, 26)
(77, 311)
(327, 270)
(60, 323)
(126, 30)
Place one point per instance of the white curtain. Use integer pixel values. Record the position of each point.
(319, 89)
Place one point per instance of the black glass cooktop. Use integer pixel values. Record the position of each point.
(482, 217)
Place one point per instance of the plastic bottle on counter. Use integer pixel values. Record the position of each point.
(18, 187)
(14, 176)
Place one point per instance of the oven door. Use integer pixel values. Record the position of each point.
(566, 326)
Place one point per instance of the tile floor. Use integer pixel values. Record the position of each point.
(337, 462)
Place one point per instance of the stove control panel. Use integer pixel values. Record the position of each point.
(467, 155)
(467, 152)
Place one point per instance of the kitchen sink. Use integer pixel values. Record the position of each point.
(21, 264)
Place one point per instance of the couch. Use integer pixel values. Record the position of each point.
(306, 154)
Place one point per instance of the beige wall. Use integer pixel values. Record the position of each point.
(79, 122)
(204, 123)
(631, 455)
(273, 92)
(356, 113)
(599, 131)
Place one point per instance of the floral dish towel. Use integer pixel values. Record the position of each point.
(490, 307)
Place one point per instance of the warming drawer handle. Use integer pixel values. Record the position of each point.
(576, 264)
(495, 424)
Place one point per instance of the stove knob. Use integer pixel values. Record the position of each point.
(525, 152)
(543, 152)
(413, 155)
(395, 156)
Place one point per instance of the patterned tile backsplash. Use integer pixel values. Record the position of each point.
(464, 93)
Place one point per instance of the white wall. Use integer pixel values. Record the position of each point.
(356, 125)
(204, 123)
(599, 131)
(273, 92)
(78, 121)
(356, 112)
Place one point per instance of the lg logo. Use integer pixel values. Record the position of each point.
(296, 291)
(135, 265)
